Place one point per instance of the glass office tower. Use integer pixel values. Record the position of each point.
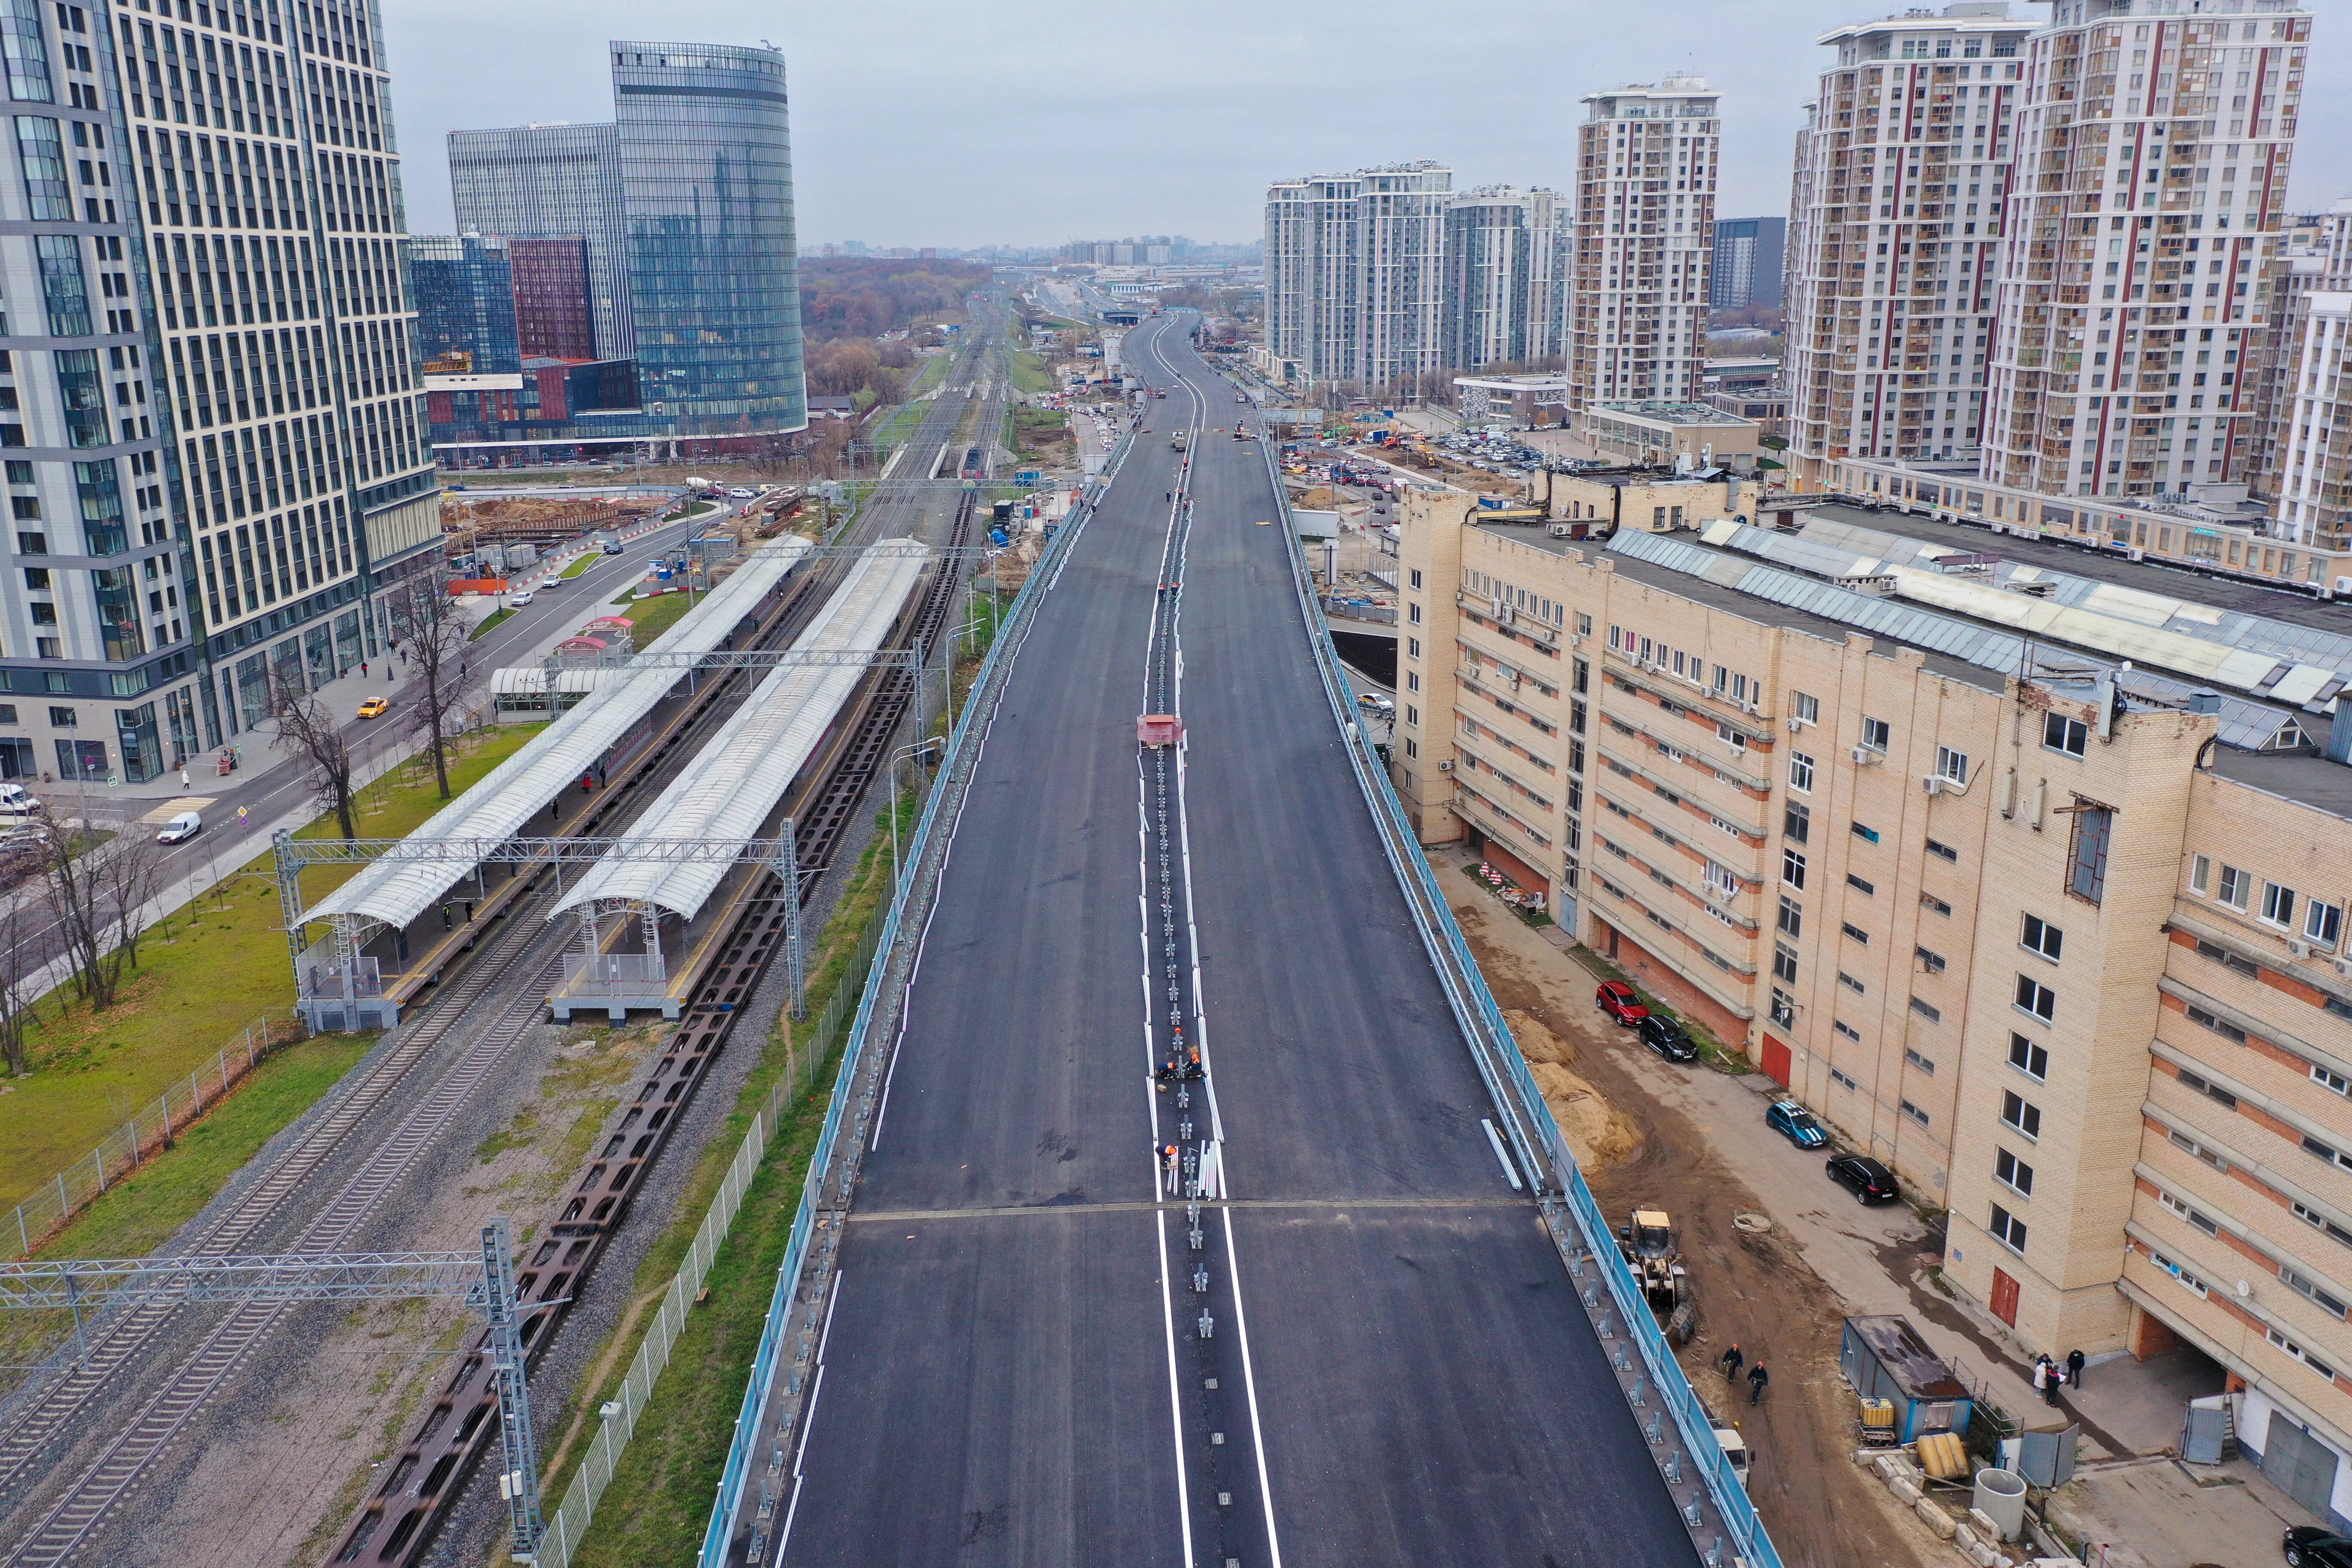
(707, 198)
(465, 300)
(685, 205)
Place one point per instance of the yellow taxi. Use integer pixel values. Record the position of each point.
(375, 707)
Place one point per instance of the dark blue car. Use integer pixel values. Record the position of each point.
(1794, 1122)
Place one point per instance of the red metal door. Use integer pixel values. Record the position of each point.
(2004, 1297)
(1776, 1061)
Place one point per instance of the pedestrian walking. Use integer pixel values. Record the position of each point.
(2075, 1361)
(1757, 1378)
(362, 669)
(183, 778)
(1732, 1361)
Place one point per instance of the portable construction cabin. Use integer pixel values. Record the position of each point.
(1885, 1358)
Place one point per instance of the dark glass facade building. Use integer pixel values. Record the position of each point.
(554, 316)
(465, 300)
(681, 213)
(706, 200)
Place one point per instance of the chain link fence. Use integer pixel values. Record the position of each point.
(148, 1132)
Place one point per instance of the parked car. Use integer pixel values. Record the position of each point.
(375, 707)
(1794, 1122)
(2308, 1546)
(1617, 999)
(1870, 1181)
(1377, 706)
(517, 601)
(16, 803)
(1667, 1037)
(738, 493)
(181, 828)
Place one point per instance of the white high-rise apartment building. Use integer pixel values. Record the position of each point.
(2152, 149)
(1504, 251)
(1355, 272)
(1903, 169)
(1646, 159)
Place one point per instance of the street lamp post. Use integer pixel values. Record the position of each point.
(902, 754)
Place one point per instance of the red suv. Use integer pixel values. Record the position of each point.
(1617, 999)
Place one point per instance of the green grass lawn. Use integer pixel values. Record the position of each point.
(652, 616)
(934, 371)
(583, 564)
(493, 619)
(204, 975)
(1029, 373)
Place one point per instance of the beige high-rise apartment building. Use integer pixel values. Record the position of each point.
(1903, 171)
(2152, 148)
(2027, 873)
(1355, 272)
(1646, 170)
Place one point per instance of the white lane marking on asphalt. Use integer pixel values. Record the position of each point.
(1175, 1392)
(1249, 1381)
(1510, 1172)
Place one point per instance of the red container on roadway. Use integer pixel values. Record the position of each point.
(1158, 728)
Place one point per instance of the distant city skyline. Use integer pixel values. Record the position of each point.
(1094, 129)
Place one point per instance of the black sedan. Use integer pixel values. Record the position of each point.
(2308, 1546)
(1666, 1038)
(1870, 1181)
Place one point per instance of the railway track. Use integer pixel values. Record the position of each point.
(48, 1415)
(424, 1482)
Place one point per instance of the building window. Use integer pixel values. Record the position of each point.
(2230, 961)
(1848, 1030)
(1866, 888)
(1784, 964)
(2020, 1114)
(2060, 734)
(1413, 647)
(1855, 933)
(1929, 901)
(63, 719)
(48, 195)
(2201, 875)
(1796, 823)
(1943, 852)
(1930, 961)
(2278, 904)
(1412, 614)
(1868, 833)
(2095, 827)
(1800, 772)
(2219, 1025)
(1928, 1010)
(1952, 766)
(1784, 1007)
(1842, 1081)
(2028, 1058)
(2041, 937)
(2322, 924)
(2204, 1086)
(2237, 888)
(2201, 1221)
(1925, 1064)
(2189, 1146)
(1792, 868)
(2036, 998)
(1851, 983)
(1915, 1113)
(1793, 917)
(1416, 576)
(2010, 1171)
(2333, 1081)
(2318, 1221)
(1804, 709)
(2188, 1282)
(2008, 1229)
(2281, 1342)
(1583, 626)
(1875, 734)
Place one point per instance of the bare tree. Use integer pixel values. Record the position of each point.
(17, 963)
(95, 895)
(307, 733)
(433, 635)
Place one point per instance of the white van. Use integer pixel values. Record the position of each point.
(16, 803)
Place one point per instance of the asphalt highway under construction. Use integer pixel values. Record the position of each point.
(1359, 1345)
(73, 1445)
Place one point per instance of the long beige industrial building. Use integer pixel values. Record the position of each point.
(2025, 867)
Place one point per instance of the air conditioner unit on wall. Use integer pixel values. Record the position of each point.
(1795, 723)
(1446, 767)
(2299, 949)
(1932, 784)
(1863, 756)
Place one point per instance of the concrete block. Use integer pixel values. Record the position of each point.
(1986, 1557)
(1905, 1492)
(1965, 1537)
(1887, 1465)
(1867, 1458)
(1986, 1528)
(1932, 1514)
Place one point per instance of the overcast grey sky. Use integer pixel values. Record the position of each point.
(1032, 121)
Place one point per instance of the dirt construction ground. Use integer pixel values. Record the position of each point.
(1637, 1150)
